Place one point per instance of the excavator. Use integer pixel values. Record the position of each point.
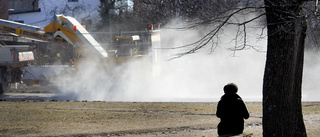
(18, 40)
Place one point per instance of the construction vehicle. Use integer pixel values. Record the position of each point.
(15, 53)
(63, 29)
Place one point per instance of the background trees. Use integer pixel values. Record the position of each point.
(116, 15)
(146, 12)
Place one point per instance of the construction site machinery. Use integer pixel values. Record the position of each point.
(70, 30)
(15, 55)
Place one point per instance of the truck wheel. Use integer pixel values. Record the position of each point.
(4, 87)
(1, 90)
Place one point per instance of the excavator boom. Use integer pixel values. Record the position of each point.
(73, 32)
(64, 26)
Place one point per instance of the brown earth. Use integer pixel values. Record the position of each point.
(132, 119)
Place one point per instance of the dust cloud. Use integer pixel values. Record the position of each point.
(311, 76)
(197, 77)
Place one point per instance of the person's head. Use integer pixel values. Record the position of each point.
(230, 88)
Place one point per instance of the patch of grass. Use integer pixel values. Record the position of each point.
(75, 118)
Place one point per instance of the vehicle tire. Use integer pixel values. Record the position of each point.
(1, 90)
(4, 87)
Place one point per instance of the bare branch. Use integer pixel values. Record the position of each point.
(202, 42)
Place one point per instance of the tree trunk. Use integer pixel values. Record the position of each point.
(282, 110)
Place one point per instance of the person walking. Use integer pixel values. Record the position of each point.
(232, 111)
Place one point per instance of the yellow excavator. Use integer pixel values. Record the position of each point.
(69, 30)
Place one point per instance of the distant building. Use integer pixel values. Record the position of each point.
(23, 6)
(41, 12)
(4, 9)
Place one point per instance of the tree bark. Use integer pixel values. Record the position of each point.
(282, 110)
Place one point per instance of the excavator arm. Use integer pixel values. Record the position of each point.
(64, 26)
(75, 34)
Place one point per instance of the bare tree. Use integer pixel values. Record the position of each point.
(162, 11)
(313, 30)
(79, 10)
(116, 15)
(284, 66)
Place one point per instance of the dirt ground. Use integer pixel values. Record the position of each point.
(130, 119)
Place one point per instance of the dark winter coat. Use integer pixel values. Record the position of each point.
(231, 110)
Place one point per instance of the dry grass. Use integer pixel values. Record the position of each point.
(127, 119)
